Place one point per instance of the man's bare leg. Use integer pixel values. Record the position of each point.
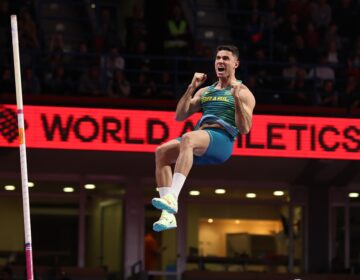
(165, 155)
(195, 142)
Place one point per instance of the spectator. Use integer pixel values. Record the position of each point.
(333, 55)
(119, 86)
(5, 37)
(56, 60)
(142, 60)
(345, 15)
(145, 86)
(151, 252)
(106, 33)
(110, 62)
(178, 37)
(353, 64)
(321, 15)
(251, 83)
(328, 96)
(7, 83)
(91, 83)
(290, 72)
(290, 29)
(82, 61)
(332, 35)
(300, 90)
(28, 40)
(261, 72)
(322, 71)
(301, 52)
(59, 82)
(255, 30)
(301, 8)
(27, 31)
(273, 16)
(30, 82)
(350, 98)
(136, 30)
(56, 43)
(165, 87)
(311, 37)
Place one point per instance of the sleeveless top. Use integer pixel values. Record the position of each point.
(218, 106)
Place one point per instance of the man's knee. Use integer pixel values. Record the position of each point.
(165, 152)
(187, 141)
(160, 152)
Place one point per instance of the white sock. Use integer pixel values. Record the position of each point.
(177, 184)
(163, 191)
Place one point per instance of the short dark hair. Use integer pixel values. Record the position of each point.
(230, 48)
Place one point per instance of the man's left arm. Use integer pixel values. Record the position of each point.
(244, 107)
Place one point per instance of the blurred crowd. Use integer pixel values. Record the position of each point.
(302, 52)
(319, 40)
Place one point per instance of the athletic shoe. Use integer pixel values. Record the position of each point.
(166, 221)
(167, 202)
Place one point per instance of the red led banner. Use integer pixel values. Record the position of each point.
(143, 131)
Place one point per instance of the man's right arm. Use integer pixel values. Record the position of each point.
(190, 103)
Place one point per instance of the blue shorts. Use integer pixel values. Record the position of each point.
(220, 147)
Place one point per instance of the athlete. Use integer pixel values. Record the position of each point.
(227, 108)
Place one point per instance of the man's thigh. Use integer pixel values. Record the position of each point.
(219, 150)
(200, 141)
(170, 150)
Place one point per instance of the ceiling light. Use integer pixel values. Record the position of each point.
(194, 193)
(220, 191)
(251, 195)
(9, 187)
(31, 184)
(89, 186)
(278, 193)
(353, 194)
(68, 189)
(210, 221)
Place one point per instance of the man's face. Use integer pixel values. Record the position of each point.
(225, 64)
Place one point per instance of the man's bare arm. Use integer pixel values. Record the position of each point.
(244, 107)
(190, 103)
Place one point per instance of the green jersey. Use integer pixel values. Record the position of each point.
(218, 105)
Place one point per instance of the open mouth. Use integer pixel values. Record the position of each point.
(221, 69)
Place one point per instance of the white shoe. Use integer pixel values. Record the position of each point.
(167, 202)
(166, 221)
